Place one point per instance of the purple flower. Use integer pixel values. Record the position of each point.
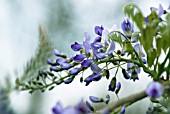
(97, 39)
(79, 58)
(66, 66)
(89, 106)
(61, 61)
(133, 70)
(70, 110)
(127, 27)
(147, 19)
(160, 10)
(118, 86)
(122, 111)
(57, 109)
(111, 47)
(76, 46)
(68, 80)
(94, 77)
(74, 71)
(154, 90)
(57, 53)
(95, 99)
(138, 49)
(98, 30)
(50, 62)
(108, 98)
(86, 63)
(82, 108)
(55, 68)
(95, 68)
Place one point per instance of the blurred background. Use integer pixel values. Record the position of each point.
(65, 22)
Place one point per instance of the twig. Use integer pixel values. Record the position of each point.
(124, 101)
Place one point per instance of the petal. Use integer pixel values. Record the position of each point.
(61, 61)
(74, 71)
(81, 107)
(98, 30)
(50, 61)
(86, 63)
(86, 47)
(154, 90)
(100, 55)
(79, 58)
(55, 68)
(68, 80)
(87, 37)
(111, 47)
(89, 106)
(76, 46)
(161, 11)
(66, 66)
(95, 68)
(95, 99)
(58, 109)
(56, 52)
(105, 36)
(122, 111)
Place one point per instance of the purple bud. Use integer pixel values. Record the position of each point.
(95, 99)
(66, 66)
(147, 19)
(94, 77)
(98, 30)
(50, 61)
(68, 80)
(127, 27)
(70, 110)
(89, 106)
(55, 68)
(58, 109)
(154, 90)
(82, 108)
(79, 58)
(61, 61)
(74, 71)
(57, 53)
(76, 46)
(86, 63)
(108, 96)
(95, 68)
(122, 111)
(118, 86)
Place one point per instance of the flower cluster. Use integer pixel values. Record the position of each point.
(124, 50)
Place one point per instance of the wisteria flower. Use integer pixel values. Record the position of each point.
(154, 90)
(127, 27)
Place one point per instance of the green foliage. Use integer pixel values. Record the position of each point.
(38, 62)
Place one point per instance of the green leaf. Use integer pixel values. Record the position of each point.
(127, 46)
(151, 55)
(115, 38)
